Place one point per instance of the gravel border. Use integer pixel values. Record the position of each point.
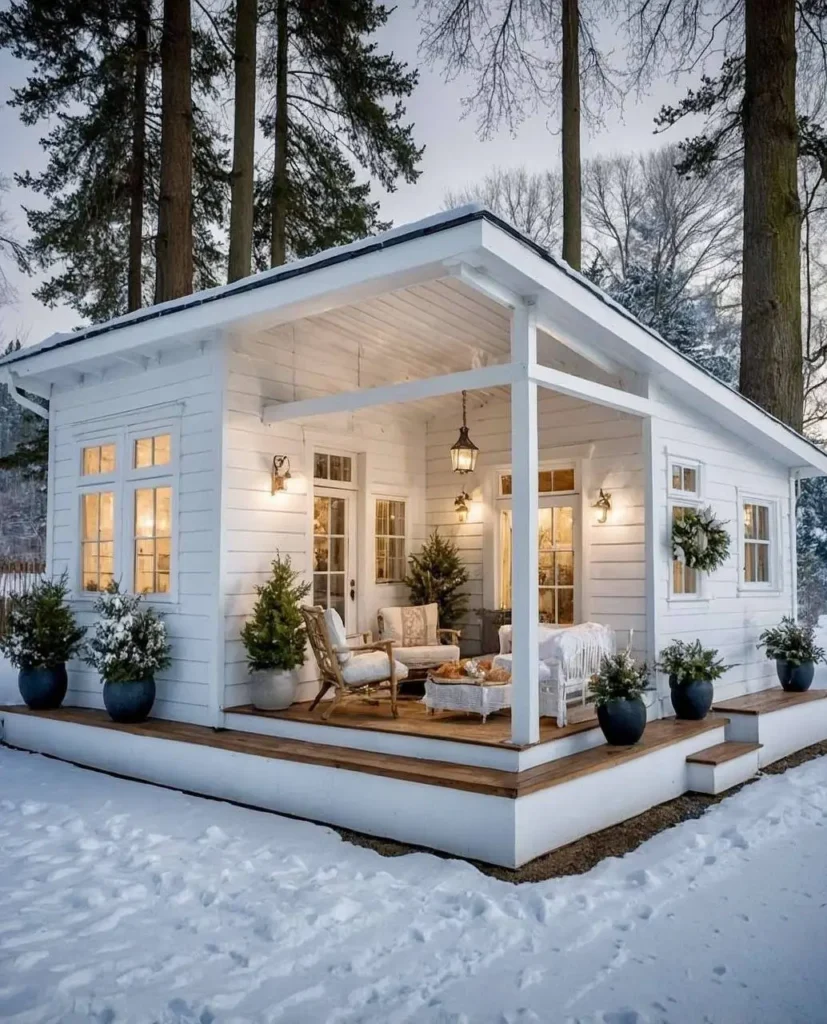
(583, 854)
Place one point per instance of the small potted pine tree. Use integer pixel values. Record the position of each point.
(692, 669)
(616, 691)
(128, 646)
(793, 647)
(274, 637)
(436, 576)
(42, 635)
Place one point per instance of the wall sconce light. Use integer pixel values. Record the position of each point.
(461, 508)
(281, 473)
(464, 451)
(604, 504)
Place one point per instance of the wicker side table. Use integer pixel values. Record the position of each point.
(470, 695)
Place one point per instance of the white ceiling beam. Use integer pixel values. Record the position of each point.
(584, 349)
(10, 381)
(482, 282)
(392, 394)
(590, 391)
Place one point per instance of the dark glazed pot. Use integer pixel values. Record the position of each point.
(622, 721)
(43, 688)
(129, 702)
(691, 700)
(795, 678)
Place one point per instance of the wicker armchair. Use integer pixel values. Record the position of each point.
(347, 670)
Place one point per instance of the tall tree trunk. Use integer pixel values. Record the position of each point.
(137, 170)
(278, 197)
(570, 90)
(174, 251)
(241, 204)
(771, 359)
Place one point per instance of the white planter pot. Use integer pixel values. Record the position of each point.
(273, 689)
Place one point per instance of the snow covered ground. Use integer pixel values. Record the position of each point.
(123, 902)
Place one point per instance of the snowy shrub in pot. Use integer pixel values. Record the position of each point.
(616, 691)
(274, 637)
(42, 635)
(128, 646)
(793, 647)
(692, 669)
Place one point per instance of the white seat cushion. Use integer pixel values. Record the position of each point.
(338, 635)
(371, 667)
(426, 656)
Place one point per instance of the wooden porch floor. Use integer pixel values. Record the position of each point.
(489, 781)
(414, 720)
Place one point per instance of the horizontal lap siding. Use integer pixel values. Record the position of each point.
(299, 361)
(612, 566)
(726, 619)
(183, 690)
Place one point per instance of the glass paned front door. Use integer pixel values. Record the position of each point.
(555, 541)
(330, 554)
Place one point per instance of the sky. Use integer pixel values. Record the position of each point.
(454, 155)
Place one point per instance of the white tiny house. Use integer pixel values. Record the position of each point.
(343, 375)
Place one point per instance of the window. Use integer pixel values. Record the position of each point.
(330, 554)
(390, 541)
(97, 539)
(332, 467)
(549, 481)
(757, 533)
(152, 451)
(98, 459)
(685, 478)
(685, 581)
(555, 541)
(153, 539)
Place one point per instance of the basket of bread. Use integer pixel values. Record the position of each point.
(470, 671)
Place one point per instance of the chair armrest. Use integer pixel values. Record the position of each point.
(377, 645)
(366, 636)
(453, 636)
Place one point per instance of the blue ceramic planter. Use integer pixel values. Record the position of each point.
(622, 721)
(129, 702)
(43, 688)
(795, 678)
(691, 700)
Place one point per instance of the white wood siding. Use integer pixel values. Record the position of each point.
(611, 566)
(303, 360)
(192, 386)
(726, 618)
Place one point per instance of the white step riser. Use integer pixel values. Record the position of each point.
(780, 733)
(718, 778)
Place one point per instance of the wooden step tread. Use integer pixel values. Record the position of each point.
(723, 752)
(488, 781)
(766, 701)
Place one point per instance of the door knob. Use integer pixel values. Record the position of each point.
(353, 590)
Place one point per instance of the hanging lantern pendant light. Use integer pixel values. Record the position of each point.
(464, 451)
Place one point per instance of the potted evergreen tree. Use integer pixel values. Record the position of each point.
(793, 646)
(436, 576)
(692, 669)
(128, 646)
(274, 637)
(616, 691)
(42, 635)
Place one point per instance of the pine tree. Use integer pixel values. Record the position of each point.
(811, 523)
(274, 636)
(94, 65)
(436, 576)
(336, 102)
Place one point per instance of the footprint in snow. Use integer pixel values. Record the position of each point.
(31, 807)
(623, 1017)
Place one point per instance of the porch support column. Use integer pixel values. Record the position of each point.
(525, 612)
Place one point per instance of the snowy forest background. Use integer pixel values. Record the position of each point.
(320, 131)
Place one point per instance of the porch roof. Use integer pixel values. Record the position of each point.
(471, 246)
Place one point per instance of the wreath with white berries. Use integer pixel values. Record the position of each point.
(699, 540)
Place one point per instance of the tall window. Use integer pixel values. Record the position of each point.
(684, 579)
(685, 490)
(97, 540)
(556, 578)
(757, 543)
(153, 539)
(390, 541)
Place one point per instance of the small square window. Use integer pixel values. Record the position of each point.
(152, 451)
(99, 459)
(337, 468)
(684, 478)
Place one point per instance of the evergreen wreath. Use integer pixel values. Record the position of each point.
(699, 540)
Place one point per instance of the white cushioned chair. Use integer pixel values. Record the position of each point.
(346, 669)
(417, 640)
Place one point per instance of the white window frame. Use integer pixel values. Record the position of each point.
(326, 449)
(123, 483)
(678, 498)
(404, 498)
(681, 496)
(775, 583)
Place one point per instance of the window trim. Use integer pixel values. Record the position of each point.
(319, 448)
(775, 583)
(405, 499)
(687, 497)
(701, 593)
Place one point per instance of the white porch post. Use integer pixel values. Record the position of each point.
(525, 612)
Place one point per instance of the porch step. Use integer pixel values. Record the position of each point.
(719, 768)
(780, 722)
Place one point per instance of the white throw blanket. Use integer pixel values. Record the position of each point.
(571, 653)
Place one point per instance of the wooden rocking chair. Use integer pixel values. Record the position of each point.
(348, 670)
